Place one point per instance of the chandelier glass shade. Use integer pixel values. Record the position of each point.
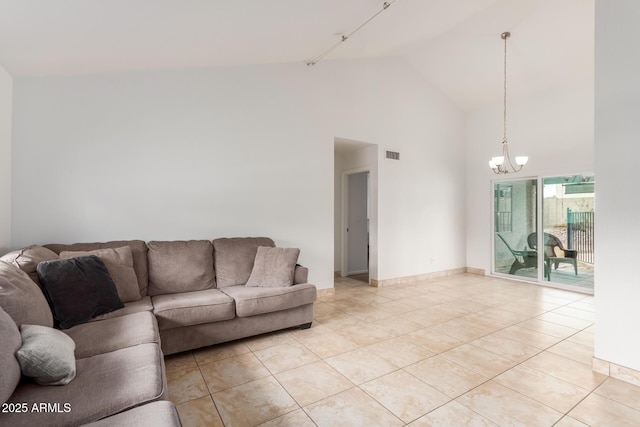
(503, 164)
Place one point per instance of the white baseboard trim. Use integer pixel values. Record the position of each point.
(417, 277)
(327, 292)
(618, 372)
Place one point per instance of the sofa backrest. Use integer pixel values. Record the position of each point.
(27, 259)
(180, 266)
(21, 298)
(234, 257)
(138, 249)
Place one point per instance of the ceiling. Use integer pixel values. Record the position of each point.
(455, 44)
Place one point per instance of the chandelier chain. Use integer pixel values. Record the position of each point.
(504, 138)
(503, 164)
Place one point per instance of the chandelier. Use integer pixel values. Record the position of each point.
(503, 164)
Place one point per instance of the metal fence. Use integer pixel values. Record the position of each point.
(580, 234)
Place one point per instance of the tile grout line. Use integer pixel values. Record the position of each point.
(375, 306)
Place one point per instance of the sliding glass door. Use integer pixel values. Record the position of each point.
(563, 253)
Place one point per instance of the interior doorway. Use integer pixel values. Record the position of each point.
(357, 225)
(355, 196)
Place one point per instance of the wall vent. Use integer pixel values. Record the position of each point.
(393, 155)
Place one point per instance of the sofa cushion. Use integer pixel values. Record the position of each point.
(180, 266)
(119, 263)
(9, 366)
(27, 259)
(234, 258)
(273, 267)
(252, 301)
(78, 289)
(46, 355)
(192, 308)
(21, 298)
(105, 384)
(113, 334)
(138, 250)
(162, 413)
(144, 304)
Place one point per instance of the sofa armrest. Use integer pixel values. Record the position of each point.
(301, 275)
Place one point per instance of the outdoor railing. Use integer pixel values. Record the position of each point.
(580, 234)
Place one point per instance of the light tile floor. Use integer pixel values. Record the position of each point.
(456, 351)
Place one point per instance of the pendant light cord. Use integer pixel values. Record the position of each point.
(503, 164)
(344, 38)
(505, 36)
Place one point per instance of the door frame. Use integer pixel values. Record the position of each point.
(344, 267)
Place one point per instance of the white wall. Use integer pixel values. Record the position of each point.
(617, 126)
(419, 215)
(6, 91)
(236, 151)
(555, 129)
(421, 198)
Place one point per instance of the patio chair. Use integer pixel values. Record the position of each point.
(522, 259)
(554, 252)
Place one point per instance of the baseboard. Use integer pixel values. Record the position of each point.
(337, 274)
(478, 271)
(618, 372)
(327, 292)
(417, 277)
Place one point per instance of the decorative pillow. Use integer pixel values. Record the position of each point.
(273, 267)
(138, 250)
(9, 367)
(78, 289)
(22, 299)
(46, 355)
(27, 259)
(119, 263)
(234, 258)
(180, 266)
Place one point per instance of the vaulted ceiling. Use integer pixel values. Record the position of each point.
(455, 44)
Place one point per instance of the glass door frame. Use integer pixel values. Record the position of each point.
(540, 236)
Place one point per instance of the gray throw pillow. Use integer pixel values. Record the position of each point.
(119, 263)
(233, 258)
(273, 267)
(9, 367)
(46, 355)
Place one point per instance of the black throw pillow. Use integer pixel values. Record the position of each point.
(78, 289)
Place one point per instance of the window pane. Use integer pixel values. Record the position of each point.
(515, 218)
(568, 219)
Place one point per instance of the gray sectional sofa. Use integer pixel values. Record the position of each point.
(189, 294)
